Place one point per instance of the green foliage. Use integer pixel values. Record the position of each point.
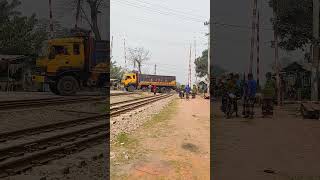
(202, 64)
(116, 72)
(7, 10)
(294, 23)
(19, 34)
(217, 70)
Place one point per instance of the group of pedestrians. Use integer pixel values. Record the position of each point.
(233, 89)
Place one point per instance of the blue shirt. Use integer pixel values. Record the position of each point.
(251, 88)
(187, 89)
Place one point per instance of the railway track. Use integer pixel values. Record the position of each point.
(54, 141)
(4, 105)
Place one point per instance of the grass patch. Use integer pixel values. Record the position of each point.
(166, 113)
(124, 140)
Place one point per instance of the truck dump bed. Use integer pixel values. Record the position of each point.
(155, 78)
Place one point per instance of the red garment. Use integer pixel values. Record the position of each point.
(154, 88)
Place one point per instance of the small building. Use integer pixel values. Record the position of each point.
(202, 86)
(15, 72)
(296, 81)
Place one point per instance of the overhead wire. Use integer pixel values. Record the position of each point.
(157, 11)
(173, 10)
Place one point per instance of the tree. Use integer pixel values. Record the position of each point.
(283, 62)
(202, 64)
(19, 34)
(116, 72)
(294, 18)
(138, 56)
(59, 30)
(8, 10)
(89, 10)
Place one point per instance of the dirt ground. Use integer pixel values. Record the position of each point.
(282, 147)
(174, 144)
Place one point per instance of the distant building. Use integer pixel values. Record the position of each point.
(15, 72)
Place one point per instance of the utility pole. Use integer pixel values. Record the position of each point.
(195, 57)
(51, 20)
(258, 50)
(253, 30)
(276, 53)
(77, 13)
(155, 69)
(189, 74)
(208, 24)
(124, 53)
(315, 60)
(111, 47)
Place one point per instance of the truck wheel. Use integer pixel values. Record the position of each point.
(67, 86)
(131, 88)
(163, 90)
(53, 88)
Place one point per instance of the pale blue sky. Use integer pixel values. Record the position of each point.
(146, 23)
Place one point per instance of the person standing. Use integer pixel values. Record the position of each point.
(187, 90)
(250, 93)
(154, 89)
(237, 92)
(268, 93)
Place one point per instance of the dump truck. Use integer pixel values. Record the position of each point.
(73, 63)
(134, 80)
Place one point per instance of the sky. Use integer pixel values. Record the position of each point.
(232, 44)
(166, 28)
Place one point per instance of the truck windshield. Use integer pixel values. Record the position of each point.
(57, 50)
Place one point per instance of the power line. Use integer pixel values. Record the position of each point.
(239, 26)
(157, 11)
(173, 10)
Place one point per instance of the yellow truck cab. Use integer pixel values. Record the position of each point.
(73, 63)
(134, 80)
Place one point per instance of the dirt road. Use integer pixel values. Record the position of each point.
(174, 144)
(283, 147)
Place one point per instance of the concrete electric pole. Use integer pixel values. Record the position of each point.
(315, 52)
(253, 31)
(124, 53)
(276, 53)
(155, 69)
(208, 24)
(189, 74)
(51, 19)
(111, 47)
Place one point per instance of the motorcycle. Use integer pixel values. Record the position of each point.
(228, 105)
(187, 96)
(181, 94)
(193, 95)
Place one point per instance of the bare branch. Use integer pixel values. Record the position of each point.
(86, 17)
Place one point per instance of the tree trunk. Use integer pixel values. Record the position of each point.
(94, 19)
(139, 67)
